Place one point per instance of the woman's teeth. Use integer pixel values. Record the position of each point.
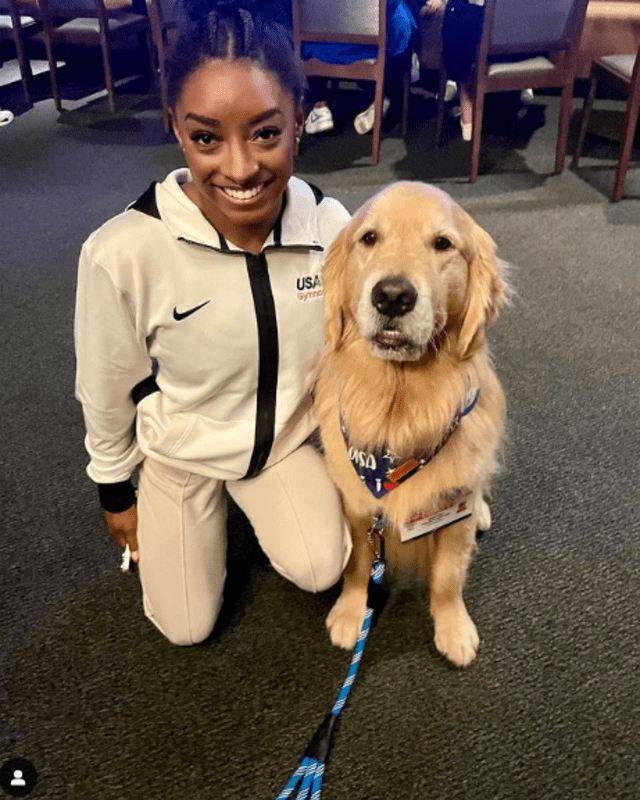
(237, 194)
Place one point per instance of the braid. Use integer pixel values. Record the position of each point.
(213, 31)
(233, 33)
(232, 30)
(248, 32)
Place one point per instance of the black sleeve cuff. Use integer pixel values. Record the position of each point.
(116, 497)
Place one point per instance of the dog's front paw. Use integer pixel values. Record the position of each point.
(456, 636)
(345, 620)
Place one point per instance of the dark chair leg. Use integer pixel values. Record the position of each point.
(24, 64)
(406, 83)
(476, 133)
(586, 112)
(162, 79)
(566, 107)
(377, 122)
(628, 132)
(440, 107)
(108, 75)
(53, 71)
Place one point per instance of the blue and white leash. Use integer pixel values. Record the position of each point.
(310, 772)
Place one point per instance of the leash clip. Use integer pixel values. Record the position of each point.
(375, 536)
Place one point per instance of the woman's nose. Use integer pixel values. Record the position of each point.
(240, 164)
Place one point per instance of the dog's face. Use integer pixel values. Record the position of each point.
(410, 267)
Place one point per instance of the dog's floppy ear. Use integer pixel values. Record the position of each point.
(333, 284)
(487, 290)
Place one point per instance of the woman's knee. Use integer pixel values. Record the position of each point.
(187, 638)
(318, 569)
(184, 629)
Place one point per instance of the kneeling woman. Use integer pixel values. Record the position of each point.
(207, 276)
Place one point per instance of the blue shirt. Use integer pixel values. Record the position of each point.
(400, 26)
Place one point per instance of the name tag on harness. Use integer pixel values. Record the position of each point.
(422, 524)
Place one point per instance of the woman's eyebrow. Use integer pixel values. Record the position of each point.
(214, 123)
(270, 112)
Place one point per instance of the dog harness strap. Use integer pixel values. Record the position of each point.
(381, 470)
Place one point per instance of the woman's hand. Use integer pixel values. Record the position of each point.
(123, 527)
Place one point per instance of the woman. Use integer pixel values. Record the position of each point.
(214, 275)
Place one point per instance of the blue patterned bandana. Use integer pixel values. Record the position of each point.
(381, 471)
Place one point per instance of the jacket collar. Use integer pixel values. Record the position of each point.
(297, 227)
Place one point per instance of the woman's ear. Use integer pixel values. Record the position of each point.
(174, 127)
(487, 289)
(299, 126)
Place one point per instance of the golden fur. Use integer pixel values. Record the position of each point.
(399, 378)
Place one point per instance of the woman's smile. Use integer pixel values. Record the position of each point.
(243, 195)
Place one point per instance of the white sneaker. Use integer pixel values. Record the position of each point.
(526, 96)
(6, 117)
(415, 68)
(450, 91)
(363, 123)
(319, 120)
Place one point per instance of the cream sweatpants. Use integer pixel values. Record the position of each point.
(294, 510)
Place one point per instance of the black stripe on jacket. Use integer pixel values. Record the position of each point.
(147, 203)
(268, 354)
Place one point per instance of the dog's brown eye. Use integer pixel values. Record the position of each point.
(369, 238)
(442, 243)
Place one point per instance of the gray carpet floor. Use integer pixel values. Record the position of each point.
(107, 710)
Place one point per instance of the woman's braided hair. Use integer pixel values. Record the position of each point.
(228, 29)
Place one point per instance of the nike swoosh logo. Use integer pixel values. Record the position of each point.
(180, 315)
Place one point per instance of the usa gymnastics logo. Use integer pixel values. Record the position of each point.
(309, 286)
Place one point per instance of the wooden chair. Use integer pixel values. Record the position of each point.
(622, 73)
(17, 22)
(348, 22)
(164, 16)
(523, 29)
(92, 23)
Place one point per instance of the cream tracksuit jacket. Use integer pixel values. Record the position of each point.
(234, 337)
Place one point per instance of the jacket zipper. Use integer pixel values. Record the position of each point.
(268, 360)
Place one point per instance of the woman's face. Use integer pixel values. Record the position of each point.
(238, 128)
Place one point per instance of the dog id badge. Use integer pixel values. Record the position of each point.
(422, 524)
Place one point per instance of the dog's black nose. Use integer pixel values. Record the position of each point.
(394, 297)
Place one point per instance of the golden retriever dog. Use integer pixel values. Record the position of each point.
(411, 412)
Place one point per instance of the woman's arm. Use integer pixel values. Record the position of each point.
(111, 358)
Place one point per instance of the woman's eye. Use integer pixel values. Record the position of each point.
(267, 134)
(203, 137)
(442, 243)
(369, 238)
